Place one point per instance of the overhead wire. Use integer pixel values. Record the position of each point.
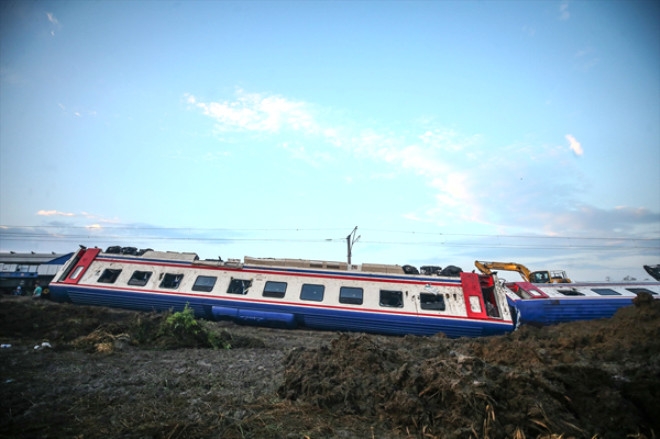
(410, 232)
(608, 243)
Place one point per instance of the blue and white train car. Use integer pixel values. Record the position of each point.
(288, 293)
(551, 303)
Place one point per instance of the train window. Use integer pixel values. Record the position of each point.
(475, 304)
(641, 290)
(435, 302)
(350, 295)
(571, 292)
(77, 271)
(605, 292)
(274, 289)
(392, 299)
(204, 283)
(312, 292)
(26, 268)
(139, 278)
(239, 286)
(109, 275)
(171, 280)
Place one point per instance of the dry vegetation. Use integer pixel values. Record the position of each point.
(114, 373)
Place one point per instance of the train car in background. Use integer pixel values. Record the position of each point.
(550, 303)
(26, 269)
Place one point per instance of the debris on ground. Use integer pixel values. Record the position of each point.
(79, 371)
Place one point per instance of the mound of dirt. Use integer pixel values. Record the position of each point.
(597, 378)
(88, 372)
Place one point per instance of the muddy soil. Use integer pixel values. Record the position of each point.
(91, 372)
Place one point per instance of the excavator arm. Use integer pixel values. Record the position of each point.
(537, 277)
(488, 267)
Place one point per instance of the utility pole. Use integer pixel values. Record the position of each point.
(350, 240)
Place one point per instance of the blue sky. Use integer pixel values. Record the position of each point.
(446, 131)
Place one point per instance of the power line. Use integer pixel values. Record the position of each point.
(111, 227)
(477, 235)
(271, 230)
(615, 243)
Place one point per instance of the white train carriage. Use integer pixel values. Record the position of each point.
(289, 293)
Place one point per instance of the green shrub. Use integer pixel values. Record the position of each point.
(181, 329)
(183, 322)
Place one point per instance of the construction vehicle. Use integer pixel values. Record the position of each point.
(537, 277)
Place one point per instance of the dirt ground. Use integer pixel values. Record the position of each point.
(91, 372)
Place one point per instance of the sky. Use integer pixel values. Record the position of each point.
(445, 131)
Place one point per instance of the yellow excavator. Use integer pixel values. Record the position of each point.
(537, 277)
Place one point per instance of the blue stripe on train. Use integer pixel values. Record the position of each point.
(282, 315)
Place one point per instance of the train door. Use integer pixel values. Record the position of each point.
(474, 301)
(84, 258)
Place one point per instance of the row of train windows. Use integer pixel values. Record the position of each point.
(311, 292)
(606, 291)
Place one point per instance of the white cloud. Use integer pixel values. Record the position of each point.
(255, 112)
(574, 145)
(51, 18)
(54, 23)
(11, 76)
(446, 140)
(585, 59)
(521, 188)
(614, 223)
(563, 11)
(529, 30)
(54, 213)
(85, 215)
(438, 155)
(313, 157)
